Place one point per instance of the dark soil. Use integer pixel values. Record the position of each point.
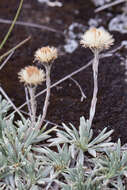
(65, 105)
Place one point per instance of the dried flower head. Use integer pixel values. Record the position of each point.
(97, 39)
(46, 54)
(31, 75)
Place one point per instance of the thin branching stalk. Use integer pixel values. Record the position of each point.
(32, 103)
(104, 55)
(95, 91)
(46, 103)
(12, 25)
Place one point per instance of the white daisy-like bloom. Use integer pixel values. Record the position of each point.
(97, 38)
(31, 75)
(46, 54)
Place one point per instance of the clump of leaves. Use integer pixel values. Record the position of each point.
(59, 159)
(82, 139)
(111, 166)
(20, 167)
(27, 164)
(76, 179)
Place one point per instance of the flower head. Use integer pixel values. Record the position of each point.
(97, 39)
(46, 54)
(31, 75)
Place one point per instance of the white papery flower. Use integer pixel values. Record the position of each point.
(98, 39)
(31, 75)
(46, 54)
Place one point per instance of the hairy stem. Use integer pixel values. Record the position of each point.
(32, 104)
(46, 103)
(28, 101)
(95, 91)
(32, 110)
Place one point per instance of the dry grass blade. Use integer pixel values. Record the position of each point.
(12, 25)
(14, 48)
(6, 60)
(9, 100)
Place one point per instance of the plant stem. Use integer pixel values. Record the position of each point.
(46, 103)
(32, 111)
(95, 91)
(28, 101)
(32, 104)
(12, 25)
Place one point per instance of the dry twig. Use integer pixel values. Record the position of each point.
(109, 5)
(33, 25)
(9, 100)
(83, 96)
(6, 60)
